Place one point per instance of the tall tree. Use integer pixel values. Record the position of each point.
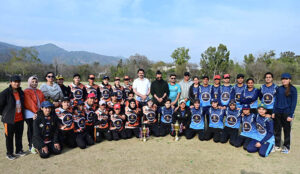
(181, 55)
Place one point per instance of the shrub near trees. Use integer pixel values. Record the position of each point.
(214, 60)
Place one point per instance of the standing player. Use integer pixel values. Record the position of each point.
(78, 90)
(268, 92)
(227, 92)
(105, 89)
(127, 87)
(239, 89)
(93, 88)
(205, 95)
(250, 96)
(194, 90)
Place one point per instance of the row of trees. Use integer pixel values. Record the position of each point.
(214, 60)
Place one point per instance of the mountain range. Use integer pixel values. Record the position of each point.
(48, 52)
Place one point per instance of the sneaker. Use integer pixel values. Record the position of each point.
(21, 153)
(273, 149)
(277, 148)
(11, 157)
(285, 150)
(33, 150)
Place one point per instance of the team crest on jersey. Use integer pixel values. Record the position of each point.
(237, 97)
(90, 116)
(196, 118)
(81, 123)
(247, 127)
(260, 128)
(126, 90)
(150, 116)
(68, 119)
(231, 120)
(196, 94)
(215, 118)
(118, 123)
(92, 90)
(225, 96)
(105, 93)
(268, 98)
(168, 118)
(205, 96)
(78, 94)
(103, 121)
(132, 118)
(119, 94)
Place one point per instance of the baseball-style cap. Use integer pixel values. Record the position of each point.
(262, 106)
(91, 95)
(102, 102)
(105, 77)
(59, 77)
(232, 102)
(186, 74)
(246, 107)
(217, 77)
(226, 76)
(182, 101)
(117, 106)
(286, 76)
(66, 99)
(46, 104)
(240, 75)
(15, 78)
(214, 100)
(76, 75)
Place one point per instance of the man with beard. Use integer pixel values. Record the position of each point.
(159, 90)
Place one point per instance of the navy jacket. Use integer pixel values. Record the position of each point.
(285, 104)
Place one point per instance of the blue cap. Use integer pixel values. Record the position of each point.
(214, 100)
(80, 102)
(46, 104)
(246, 106)
(262, 106)
(105, 77)
(286, 76)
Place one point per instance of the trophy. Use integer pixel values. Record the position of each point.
(176, 128)
(144, 131)
(158, 118)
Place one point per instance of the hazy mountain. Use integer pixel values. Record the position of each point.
(49, 52)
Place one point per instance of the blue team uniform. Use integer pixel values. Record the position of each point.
(226, 94)
(267, 95)
(250, 97)
(238, 92)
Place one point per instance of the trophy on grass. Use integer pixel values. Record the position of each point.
(144, 132)
(176, 128)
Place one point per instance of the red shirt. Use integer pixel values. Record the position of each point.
(19, 115)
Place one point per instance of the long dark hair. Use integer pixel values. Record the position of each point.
(288, 90)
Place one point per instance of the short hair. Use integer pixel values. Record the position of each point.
(172, 75)
(76, 75)
(195, 77)
(249, 80)
(131, 92)
(140, 69)
(158, 72)
(49, 72)
(268, 73)
(168, 99)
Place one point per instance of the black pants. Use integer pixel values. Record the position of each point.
(51, 150)
(164, 129)
(68, 138)
(117, 134)
(280, 123)
(229, 134)
(214, 133)
(90, 130)
(102, 134)
(242, 141)
(154, 129)
(190, 133)
(205, 113)
(83, 139)
(11, 131)
(29, 123)
(132, 132)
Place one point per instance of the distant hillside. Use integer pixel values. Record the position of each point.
(49, 52)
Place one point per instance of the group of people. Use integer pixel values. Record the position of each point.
(81, 115)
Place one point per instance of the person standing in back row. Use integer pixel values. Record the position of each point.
(159, 90)
(284, 108)
(185, 86)
(12, 111)
(141, 87)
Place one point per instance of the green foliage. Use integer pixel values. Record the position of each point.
(215, 60)
(181, 56)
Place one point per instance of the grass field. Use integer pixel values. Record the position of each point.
(157, 155)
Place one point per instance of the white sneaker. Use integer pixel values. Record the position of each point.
(273, 149)
(285, 150)
(277, 148)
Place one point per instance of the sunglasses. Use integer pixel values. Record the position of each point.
(173, 78)
(50, 76)
(126, 79)
(117, 109)
(117, 79)
(92, 78)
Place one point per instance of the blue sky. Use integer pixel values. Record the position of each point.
(155, 27)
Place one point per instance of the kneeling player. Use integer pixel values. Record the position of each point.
(132, 125)
(215, 126)
(45, 131)
(183, 116)
(264, 139)
(149, 117)
(232, 124)
(166, 118)
(117, 123)
(102, 123)
(197, 122)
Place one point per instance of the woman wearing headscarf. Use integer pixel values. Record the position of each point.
(33, 98)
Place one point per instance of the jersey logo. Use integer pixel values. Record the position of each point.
(103, 121)
(205, 96)
(196, 118)
(90, 116)
(268, 98)
(92, 90)
(105, 93)
(168, 118)
(81, 123)
(215, 118)
(225, 96)
(260, 128)
(231, 120)
(238, 97)
(132, 118)
(150, 116)
(119, 94)
(118, 123)
(78, 94)
(67, 120)
(247, 127)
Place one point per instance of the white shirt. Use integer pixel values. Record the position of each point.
(142, 86)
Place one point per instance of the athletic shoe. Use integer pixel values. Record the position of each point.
(277, 148)
(273, 149)
(33, 150)
(21, 153)
(11, 157)
(285, 150)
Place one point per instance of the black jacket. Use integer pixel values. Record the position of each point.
(8, 105)
(65, 90)
(184, 119)
(39, 130)
(192, 96)
(159, 88)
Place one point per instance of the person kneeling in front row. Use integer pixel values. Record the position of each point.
(45, 131)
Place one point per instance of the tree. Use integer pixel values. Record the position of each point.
(267, 57)
(257, 70)
(181, 56)
(215, 60)
(249, 59)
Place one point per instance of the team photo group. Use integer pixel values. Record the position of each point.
(79, 115)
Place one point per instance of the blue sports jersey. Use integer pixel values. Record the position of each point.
(233, 118)
(205, 95)
(216, 92)
(226, 94)
(216, 117)
(250, 97)
(196, 91)
(249, 126)
(238, 92)
(267, 95)
(265, 130)
(197, 119)
(166, 114)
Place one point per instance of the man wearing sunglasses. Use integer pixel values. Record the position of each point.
(127, 87)
(175, 90)
(93, 88)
